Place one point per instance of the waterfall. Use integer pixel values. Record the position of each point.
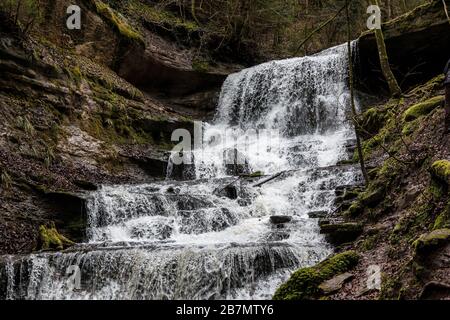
(281, 115)
(213, 237)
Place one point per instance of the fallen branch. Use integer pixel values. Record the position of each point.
(217, 192)
(259, 184)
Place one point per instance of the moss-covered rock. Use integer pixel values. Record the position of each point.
(441, 171)
(355, 209)
(443, 219)
(410, 127)
(51, 239)
(373, 120)
(340, 233)
(430, 241)
(423, 108)
(304, 283)
(374, 196)
(117, 21)
(201, 66)
(160, 17)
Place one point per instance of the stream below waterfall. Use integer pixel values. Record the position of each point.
(215, 236)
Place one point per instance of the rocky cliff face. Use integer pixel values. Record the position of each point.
(417, 42)
(84, 107)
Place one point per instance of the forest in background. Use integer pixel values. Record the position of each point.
(255, 30)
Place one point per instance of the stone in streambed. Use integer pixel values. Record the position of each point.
(317, 214)
(340, 233)
(280, 219)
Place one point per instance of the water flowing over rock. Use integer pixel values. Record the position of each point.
(188, 240)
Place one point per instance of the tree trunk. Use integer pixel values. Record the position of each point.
(352, 97)
(384, 61)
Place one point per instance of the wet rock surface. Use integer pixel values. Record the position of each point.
(339, 233)
(280, 219)
(335, 284)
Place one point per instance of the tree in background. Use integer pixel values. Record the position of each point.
(384, 61)
(352, 94)
(23, 14)
(268, 29)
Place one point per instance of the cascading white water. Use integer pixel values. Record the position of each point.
(281, 115)
(192, 240)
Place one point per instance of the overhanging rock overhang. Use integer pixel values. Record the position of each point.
(418, 45)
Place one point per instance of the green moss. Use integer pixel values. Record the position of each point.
(77, 75)
(410, 127)
(256, 174)
(385, 133)
(118, 22)
(355, 209)
(430, 241)
(373, 196)
(441, 170)
(429, 87)
(443, 219)
(391, 168)
(436, 190)
(24, 124)
(159, 16)
(423, 108)
(50, 238)
(373, 120)
(304, 283)
(369, 243)
(200, 66)
(351, 194)
(5, 179)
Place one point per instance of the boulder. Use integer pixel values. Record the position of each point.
(423, 108)
(373, 197)
(335, 284)
(429, 242)
(280, 219)
(231, 192)
(440, 170)
(435, 290)
(304, 283)
(340, 233)
(317, 214)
